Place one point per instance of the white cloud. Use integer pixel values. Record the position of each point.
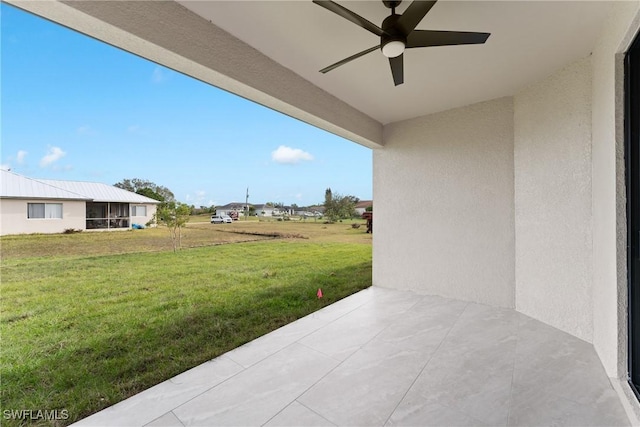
(20, 156)
(53, 155)
(290, 156)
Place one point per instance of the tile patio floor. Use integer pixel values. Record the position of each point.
(385, 357)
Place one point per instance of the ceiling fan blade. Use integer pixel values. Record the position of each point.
(397, 69)
(426, 38)
(414, 14)
(351, 16)
(351, 58)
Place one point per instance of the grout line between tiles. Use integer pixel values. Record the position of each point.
(425, 365)
(214, 386)
(320, 415)
(301, 404)
(341, 362)
(326, 323)
(240, 372)
(243, 368)
(277, 413)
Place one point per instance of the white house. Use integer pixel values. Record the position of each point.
(230, 208)
(263, 209)
(513, 151)
(362, 206)
(30, 205)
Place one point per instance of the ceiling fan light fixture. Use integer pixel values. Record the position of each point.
(393, 48)
(398, 32)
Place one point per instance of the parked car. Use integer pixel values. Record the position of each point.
(220, 219)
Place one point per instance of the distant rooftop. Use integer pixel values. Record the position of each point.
(364, 203)
(16, 186)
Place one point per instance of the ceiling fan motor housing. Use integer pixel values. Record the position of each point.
(397, 29)
(392, 31)
(392, 4)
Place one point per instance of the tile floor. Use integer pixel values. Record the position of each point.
(393, 358)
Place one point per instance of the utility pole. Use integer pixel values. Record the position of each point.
(246, 206)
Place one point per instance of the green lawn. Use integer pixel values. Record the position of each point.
(82, 332)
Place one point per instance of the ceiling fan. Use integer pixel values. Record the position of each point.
(398, 33)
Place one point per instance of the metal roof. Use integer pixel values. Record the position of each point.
(99, 192)
(18, 186)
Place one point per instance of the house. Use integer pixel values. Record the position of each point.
(30, 205)
(521, 154)
(285, 210)
(230, 208)
(267, 209)
(263, 209)
(362, 206)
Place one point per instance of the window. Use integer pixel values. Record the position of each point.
(138, 211)
(44, 210)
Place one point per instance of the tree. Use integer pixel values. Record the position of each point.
(174, 215)
(137, 185)
(148, 192)
(328, 197)
(337, 207)
(346, 206)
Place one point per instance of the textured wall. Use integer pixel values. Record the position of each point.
(151, 211)
(609, 221)
(14, 217)
(444, 215)
(552, 159)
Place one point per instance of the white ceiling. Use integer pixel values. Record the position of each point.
(529, 40)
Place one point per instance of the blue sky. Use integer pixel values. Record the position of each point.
(77, 109)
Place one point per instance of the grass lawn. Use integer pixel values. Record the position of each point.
(89, 319)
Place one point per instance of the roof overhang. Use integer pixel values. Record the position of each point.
(270, 52)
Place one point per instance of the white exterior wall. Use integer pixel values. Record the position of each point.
(14, 217)
(444, 216)
(142, 220)
(552, 163)
(267, 212)
(609, 218)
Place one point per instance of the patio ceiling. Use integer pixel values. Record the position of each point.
(529, 41)
(271, 51)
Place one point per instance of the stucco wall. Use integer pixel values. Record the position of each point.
(142, 220)
(13, 214)
(444, 215)
(552, 161)
(609, 221)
